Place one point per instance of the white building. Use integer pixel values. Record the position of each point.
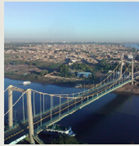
(73, 60)
(130, 56)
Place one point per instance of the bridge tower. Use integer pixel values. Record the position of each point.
(121, 67)
(10, 106)
(30, 117)
(132, 72)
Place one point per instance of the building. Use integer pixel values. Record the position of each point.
(73, 60)
(83, 74)
(130, 56)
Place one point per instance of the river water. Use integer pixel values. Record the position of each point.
(132, 45)
(113, 119)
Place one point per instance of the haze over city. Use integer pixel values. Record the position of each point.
(71, 21)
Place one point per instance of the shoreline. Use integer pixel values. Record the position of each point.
(43, 81)
(126, 89)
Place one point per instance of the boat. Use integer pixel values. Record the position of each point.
(78, 86)
(60, 129)
(25, 83)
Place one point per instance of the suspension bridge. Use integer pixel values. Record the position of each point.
(54, 107)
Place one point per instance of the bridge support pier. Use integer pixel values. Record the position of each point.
(10, 103)
(30, 117)
(121, 68)
(132, 72)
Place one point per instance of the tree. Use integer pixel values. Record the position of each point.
(44, 72)
(92, 76)
(103, 62)
(137, 57)
(64, 70)
(51, 57)
(81, 66)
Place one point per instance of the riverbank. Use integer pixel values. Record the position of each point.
(108, 114)
(127, 89)
(48, 80)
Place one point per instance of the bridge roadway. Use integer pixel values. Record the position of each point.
(23, 129)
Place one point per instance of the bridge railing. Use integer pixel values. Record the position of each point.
(56, 106)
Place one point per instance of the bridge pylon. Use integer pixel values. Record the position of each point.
(30, 117)
(10, 106)
(132, 72)
(121, 69)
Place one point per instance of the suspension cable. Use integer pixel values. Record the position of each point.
(81, 91)
(136, 81)
(6, 89)
(136, 67)
(109, 75)
(15, 103)
(119, 78)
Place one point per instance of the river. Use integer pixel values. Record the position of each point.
(132, 45)
(113, 119)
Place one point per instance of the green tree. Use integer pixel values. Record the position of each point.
(92, 76)
(44, 72)
(103, 62)
(81, 66)
(64, 70)
(51, 57)
(137, 57)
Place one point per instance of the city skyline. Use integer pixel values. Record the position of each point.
(71, 21)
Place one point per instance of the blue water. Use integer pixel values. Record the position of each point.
(45, 88)
(132, 45)
(113, 119)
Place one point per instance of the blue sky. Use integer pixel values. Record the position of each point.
(71, 21)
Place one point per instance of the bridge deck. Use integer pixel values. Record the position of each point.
(54, 115)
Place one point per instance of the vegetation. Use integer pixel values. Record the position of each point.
(36, 75)
(137, 57)
(81, 66)
(37, 63)
(51, 57)
(64, 70)
(64, 139)
(133, 50)
(44, 72)
(7, 56)
(92, 76)
(105, 66)
(14, 62)
(10, 48)
(10, 73)
(54, 65)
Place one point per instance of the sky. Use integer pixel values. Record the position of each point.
(71, 21)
